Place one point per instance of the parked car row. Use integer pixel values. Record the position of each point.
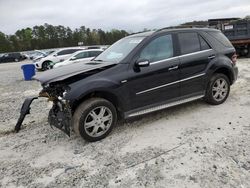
(65, 56)
(12, 57)
(47, 59)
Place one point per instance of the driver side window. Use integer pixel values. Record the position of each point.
(158, 49)
(82, 55)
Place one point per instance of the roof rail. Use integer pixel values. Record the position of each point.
(164, 28)
(140, 32)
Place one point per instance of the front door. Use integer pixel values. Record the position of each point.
(157, 83)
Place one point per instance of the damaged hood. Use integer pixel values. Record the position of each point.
(67, 71)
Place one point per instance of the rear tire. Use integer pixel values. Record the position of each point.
(94, 119)
(218, 89)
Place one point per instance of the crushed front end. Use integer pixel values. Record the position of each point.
(59, 115)
(56, 86)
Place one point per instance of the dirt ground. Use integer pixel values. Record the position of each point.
(191, 145)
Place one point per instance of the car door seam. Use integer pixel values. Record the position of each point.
(171, 83)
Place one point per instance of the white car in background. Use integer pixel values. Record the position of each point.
(36, 54)
(80, 56)
(55, 57)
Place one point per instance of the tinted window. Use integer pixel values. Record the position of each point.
(15, 55)
(94, 53)
(93, 47)
(73, 50)
(204, 44)
(221, 38)
(63, 52)
(82, 55)
(189, 42)
(158, 49)
(69, 51)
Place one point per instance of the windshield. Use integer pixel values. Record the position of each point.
(119, 50)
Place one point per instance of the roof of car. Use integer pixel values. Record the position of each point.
(148, 33)
(87, 50)
(142, 34)
(186, 29)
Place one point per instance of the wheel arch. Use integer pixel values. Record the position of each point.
(45, 61)
(226, 71)
(111, 97)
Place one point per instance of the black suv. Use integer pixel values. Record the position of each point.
(137, 75)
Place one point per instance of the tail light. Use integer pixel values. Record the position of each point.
(234, 58)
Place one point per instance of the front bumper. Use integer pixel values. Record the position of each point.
(59, 115)
(37, 65)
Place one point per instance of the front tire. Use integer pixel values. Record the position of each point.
(218, 89)
(94, 119)
(46, 65)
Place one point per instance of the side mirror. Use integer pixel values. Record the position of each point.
(142, 63)
(55, 55)
(73, 58)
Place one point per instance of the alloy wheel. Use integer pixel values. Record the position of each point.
(220, 89)
(98, 121)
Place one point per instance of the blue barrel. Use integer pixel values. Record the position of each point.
(28, 71)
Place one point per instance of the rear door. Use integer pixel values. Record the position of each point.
(195, 54)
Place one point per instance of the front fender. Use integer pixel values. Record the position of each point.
(81, 89)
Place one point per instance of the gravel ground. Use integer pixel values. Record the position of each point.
(191, 145)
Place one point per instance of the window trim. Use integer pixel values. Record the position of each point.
(179, 56)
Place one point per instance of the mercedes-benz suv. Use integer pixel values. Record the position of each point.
(137, 75)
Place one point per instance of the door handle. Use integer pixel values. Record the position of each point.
(211, 56)
(173, 68)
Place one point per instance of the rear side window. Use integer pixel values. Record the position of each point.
(158, 49)
(82, 55)
(204, 44)
(189, 43)
(221, 38)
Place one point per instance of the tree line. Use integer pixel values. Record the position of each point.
(48, 36)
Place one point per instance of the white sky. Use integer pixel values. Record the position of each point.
(114, 14)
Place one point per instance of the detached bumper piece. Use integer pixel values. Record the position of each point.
(59, 115)
(24, 111)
